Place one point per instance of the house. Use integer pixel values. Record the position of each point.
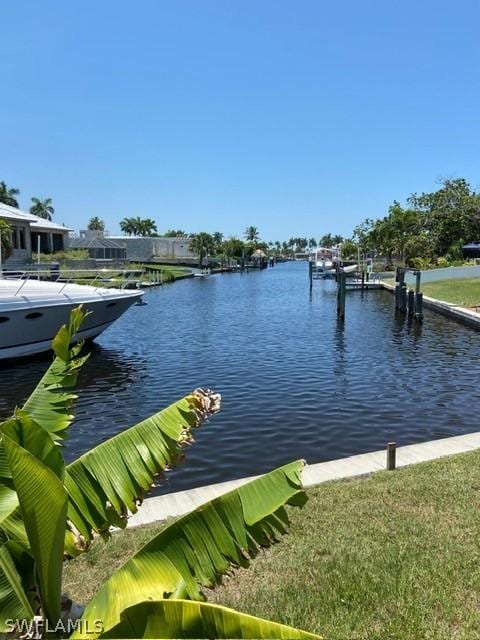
(28, 231)
(98, 246)
(157, 249)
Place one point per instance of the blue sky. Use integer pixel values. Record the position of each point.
(297, 117)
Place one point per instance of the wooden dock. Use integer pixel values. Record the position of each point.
(358, 283)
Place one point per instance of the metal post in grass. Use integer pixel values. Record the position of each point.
(391, 456)
(411, 302)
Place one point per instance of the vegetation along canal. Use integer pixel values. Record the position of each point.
(295, 383)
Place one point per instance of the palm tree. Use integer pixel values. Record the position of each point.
(42, 208)
(203, 245)
(217, 238)
(175, 233)
(252, 235)
(127, 225)
(6, 239)
(7, 196)
(50, 509)
(96, 224)
(146, 226)
(312, 243)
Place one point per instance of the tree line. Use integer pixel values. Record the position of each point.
(429, 229)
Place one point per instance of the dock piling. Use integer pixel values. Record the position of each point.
(419, 306)
(341, 287)
(411, 303)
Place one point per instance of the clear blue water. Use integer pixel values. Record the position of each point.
(295, 383)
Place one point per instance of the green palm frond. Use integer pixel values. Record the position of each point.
(50, 404)
(108, 481)
(198, 548)
(43, 503)
(187, 619)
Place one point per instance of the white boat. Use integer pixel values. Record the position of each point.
(31, 312)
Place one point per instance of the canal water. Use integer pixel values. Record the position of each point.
(295, 383)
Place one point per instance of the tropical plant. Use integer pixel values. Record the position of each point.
(48, 509)
(217, 239)
(6, 239)
(349, 249)
(8, 195)
(175, 233)
(202, 244)
(252, 235)
(234, 247)
(42, 208)
(128, 226)
(146, 226)
(96, 224)
(138, 226)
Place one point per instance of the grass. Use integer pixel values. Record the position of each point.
(464, 292)
(392, 556)
(172, 270)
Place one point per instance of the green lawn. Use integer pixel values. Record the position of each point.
(392, 556)
(464, 293)
(172, 269)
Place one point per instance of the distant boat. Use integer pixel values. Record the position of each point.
(32, 311)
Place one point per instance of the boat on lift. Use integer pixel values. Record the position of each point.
(32, 311)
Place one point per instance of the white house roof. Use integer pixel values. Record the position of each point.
(36, 223)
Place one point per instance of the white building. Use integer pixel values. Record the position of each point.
(27, 230)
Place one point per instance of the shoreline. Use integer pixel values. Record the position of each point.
(172, 505)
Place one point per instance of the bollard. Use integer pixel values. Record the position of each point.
(391, 456)
(411, 302)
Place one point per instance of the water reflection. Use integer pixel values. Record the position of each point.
(295, 382)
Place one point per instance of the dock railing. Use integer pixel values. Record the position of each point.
(120, 278)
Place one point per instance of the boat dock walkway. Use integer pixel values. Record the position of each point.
(176, 504)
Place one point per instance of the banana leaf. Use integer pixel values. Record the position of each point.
(187, 619)
(195, 550)
(14, 601)
(50, 404)
(108, 481)
(43, 504)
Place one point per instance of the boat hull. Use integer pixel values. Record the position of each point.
(29, 331)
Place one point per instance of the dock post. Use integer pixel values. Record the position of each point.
(403, 297)
(417, 281)
(391, 456)
(419, 306)
(341, 286)
(411, 302)
(397, 297)
(310, 272)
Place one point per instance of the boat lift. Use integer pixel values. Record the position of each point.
(411, 301)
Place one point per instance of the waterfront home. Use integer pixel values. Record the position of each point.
(161, 249)
(99, 246)
(27, 231)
